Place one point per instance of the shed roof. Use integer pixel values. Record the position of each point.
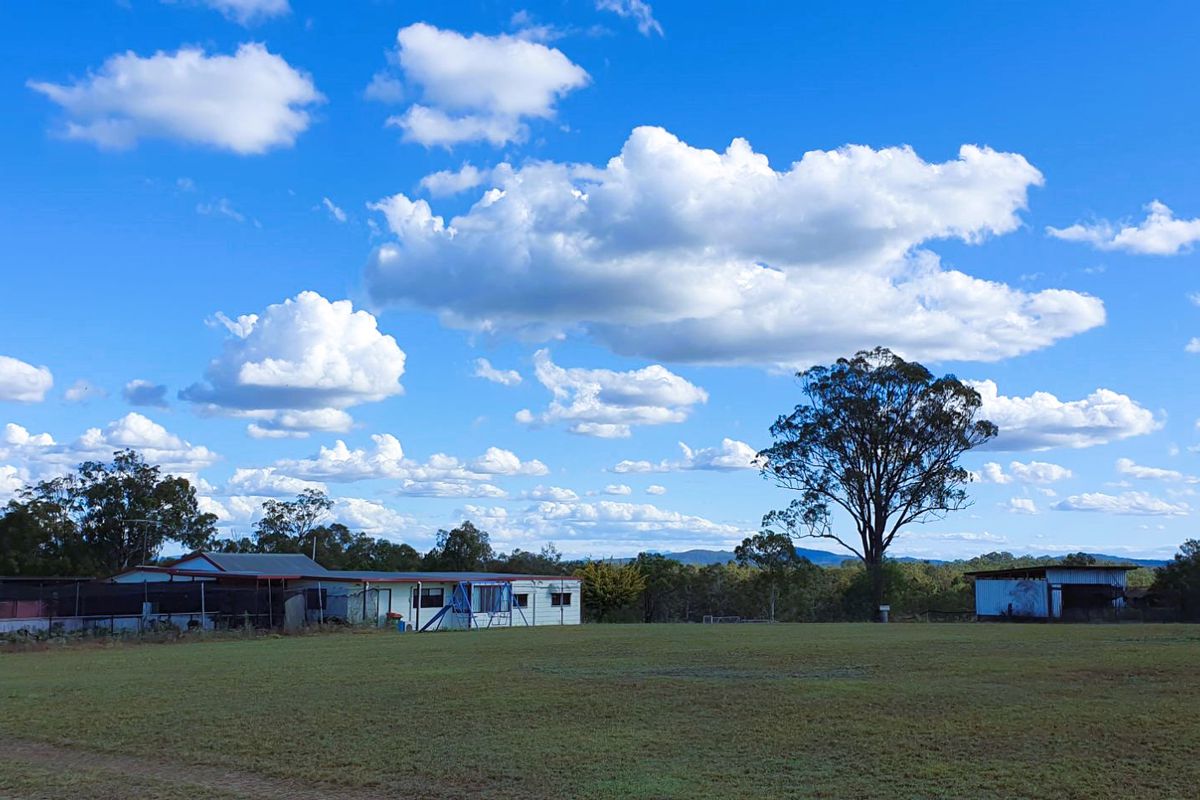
(1040, 571)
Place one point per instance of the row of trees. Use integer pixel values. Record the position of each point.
(103, 518)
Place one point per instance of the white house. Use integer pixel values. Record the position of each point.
(421, 601)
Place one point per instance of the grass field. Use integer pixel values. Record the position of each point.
(670, 711)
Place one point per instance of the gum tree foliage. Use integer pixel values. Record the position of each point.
(1179, 579)
(775, 556)
(285, 524)
(100, 519)
(608, 587)
(462, 549)
(877, 440)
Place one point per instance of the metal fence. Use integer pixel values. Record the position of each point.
(93, 606)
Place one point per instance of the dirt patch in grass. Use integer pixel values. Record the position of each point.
(139, 774)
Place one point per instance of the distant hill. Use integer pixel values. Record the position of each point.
(702, 558)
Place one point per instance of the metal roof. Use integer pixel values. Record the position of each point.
(263, 563)
(1040, 570)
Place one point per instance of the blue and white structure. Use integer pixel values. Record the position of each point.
(419, 601)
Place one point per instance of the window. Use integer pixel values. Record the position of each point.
(492, 599)
(521, 600)
(560, 598)
(430, 598)
(316, 599)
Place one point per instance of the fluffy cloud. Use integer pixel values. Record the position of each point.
(446, 182)
(504, 377)
(602, 527)
(1033, 472)
(266, 482)
(83, 390)
(296, 367)
(657, 489)
(731, 455)
(12, 480)
(686, 254)
(1193, 345)
(1159, 234)
(41, 456)
(1021, 505)
(23, 383)
(248, 12)
(637, 10)
(371, 517)
(249, 102)
(1042, 421)
(606, 403)
(479, 88)
(619, 489)
(1127, 467)
(144, 393)
(1134, 503)
(555, 493)
(440, 475)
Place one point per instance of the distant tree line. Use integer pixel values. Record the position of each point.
(105, 517)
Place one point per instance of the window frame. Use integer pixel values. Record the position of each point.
(560, 599)
(426, 593)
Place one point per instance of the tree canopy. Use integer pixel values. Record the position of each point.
(100, 519)
(877, 439)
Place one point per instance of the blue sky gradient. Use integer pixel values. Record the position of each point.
(118, 258)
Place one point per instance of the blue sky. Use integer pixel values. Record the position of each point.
(644, 218)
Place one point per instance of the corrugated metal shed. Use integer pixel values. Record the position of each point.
(1015, 597)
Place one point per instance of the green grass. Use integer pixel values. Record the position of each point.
(669, 711)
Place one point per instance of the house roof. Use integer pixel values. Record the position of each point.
(1040, 571)
(262, 563)
(295, 566)
(439, 577)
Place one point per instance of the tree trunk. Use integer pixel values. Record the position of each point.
(875, 569)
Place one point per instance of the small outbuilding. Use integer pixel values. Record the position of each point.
(1050, 592)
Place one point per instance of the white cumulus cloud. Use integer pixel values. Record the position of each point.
(478, 88)
(440, 475)
(1132, 503)
(1032, 472)
(23, 383)
(248, 102)
(1041, 421)
(731, 455)
(41, 456)
(1159, 234)
(679, 253)
(1021, 505)
(1127, 467)
(447, 182)
(298, 365)
(607, 403)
